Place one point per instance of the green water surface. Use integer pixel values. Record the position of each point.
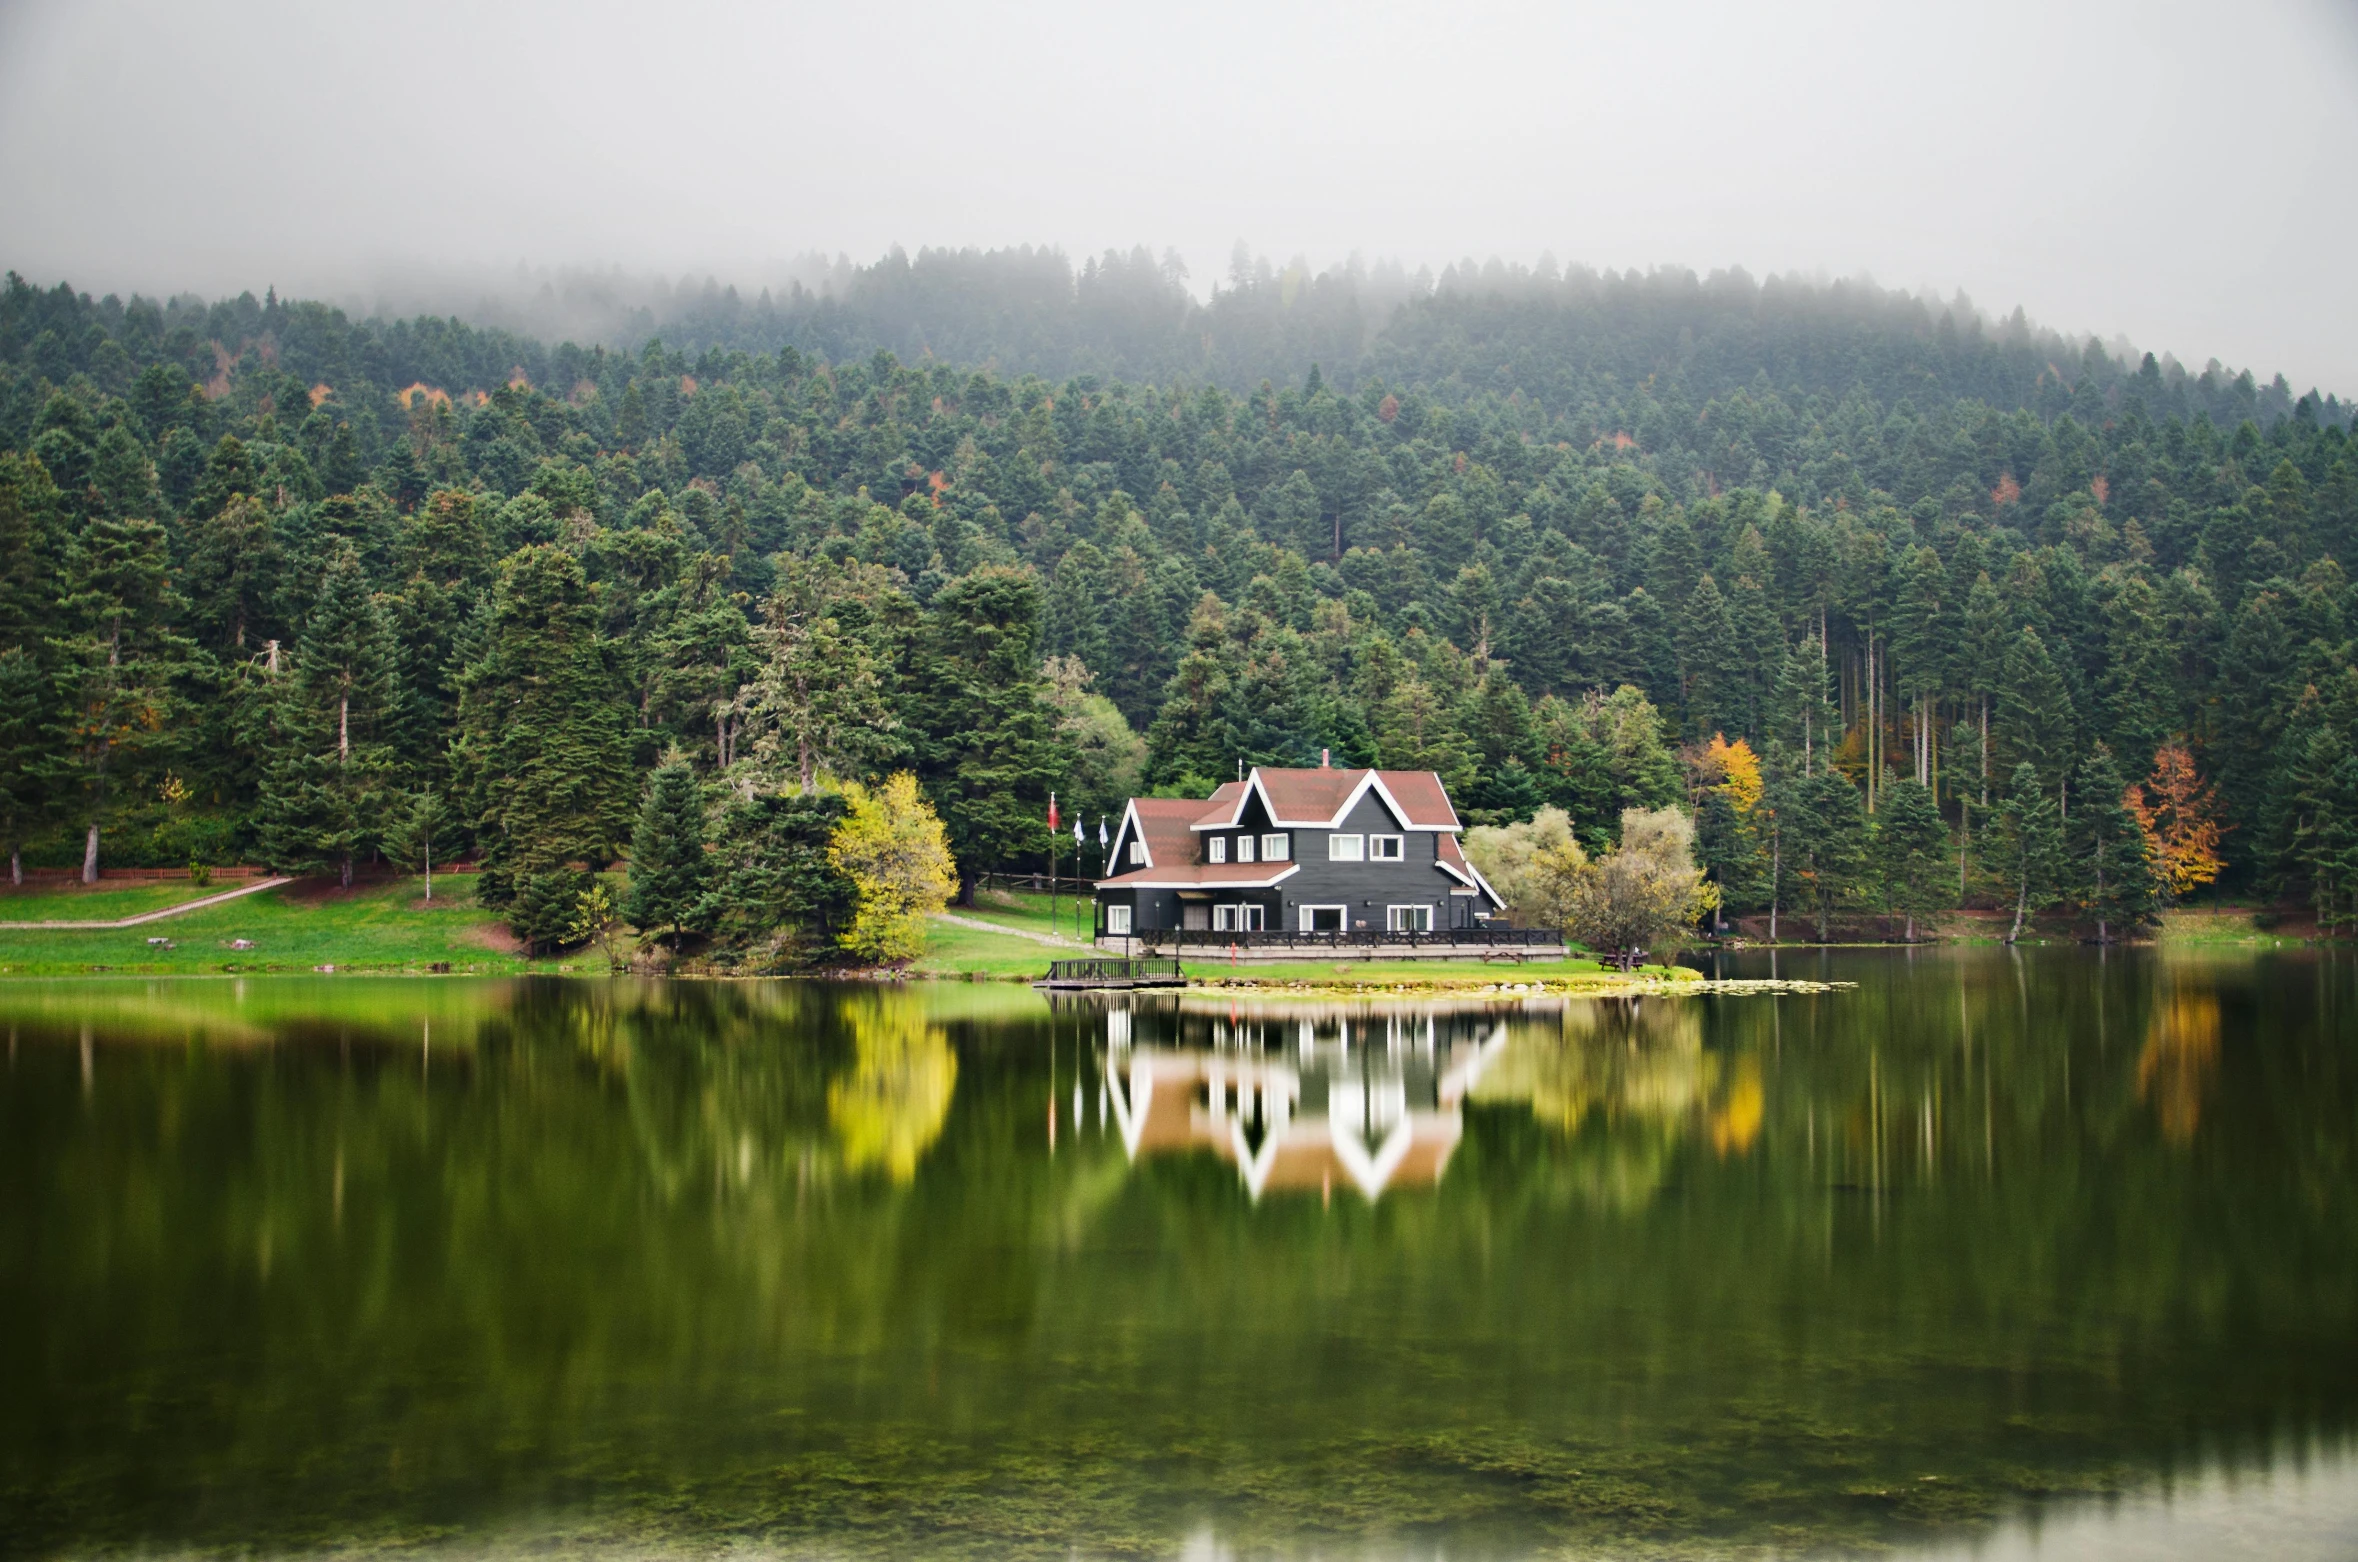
(558, 1266)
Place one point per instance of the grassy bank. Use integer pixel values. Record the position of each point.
(388, 927)
(104, 901)
(383, 926)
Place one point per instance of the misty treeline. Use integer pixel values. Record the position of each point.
(272, 576)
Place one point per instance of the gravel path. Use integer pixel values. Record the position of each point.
(1053, 940)
(255, 888)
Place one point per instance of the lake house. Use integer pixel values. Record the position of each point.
(1288, 858)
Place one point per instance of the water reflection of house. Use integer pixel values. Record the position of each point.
(1299, 1101)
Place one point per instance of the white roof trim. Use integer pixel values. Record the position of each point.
(1207, 884)
(1472, 878)
(1134, 828)
(1370, 779)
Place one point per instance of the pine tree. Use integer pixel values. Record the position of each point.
(420, 832)
(1912, 850)
(1920, 645)
(1804, 718)
(820, 702)
(32, 724)
(2025, 849)
(1823, 847)
(668, 872)
(542, 753)
(1710, 665)
(115, 668)
(2035, 712)
(2111, 861)
(985, 736)
(331, 717)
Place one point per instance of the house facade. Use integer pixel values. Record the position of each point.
(1326, 853)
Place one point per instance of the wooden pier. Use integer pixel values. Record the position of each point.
(1111, 972)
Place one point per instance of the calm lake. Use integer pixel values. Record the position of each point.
(1993, 1255)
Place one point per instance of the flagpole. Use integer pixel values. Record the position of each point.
(1052, 869)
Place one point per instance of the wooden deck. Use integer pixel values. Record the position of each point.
(1106, 972)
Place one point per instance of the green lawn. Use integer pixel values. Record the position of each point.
(376, 927)
(102, 902)
(954, 951)
(1022, 909)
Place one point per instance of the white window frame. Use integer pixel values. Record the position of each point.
(1342, 918)
(1237, 916)
(1244, 848)
(1216, 848)
(1277, 848)
(1394, 922)
(1387, 848)
(1117, 921)
(1137, 853)
(1346, 848)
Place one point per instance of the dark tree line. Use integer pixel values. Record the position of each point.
(268, 575)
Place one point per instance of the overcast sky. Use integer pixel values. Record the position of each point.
(2175, 173)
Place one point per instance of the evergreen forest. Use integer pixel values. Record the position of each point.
(1911, 606)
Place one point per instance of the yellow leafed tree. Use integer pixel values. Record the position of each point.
(892, 847)
(1738, 768)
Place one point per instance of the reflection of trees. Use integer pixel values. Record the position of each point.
(2180, 1057)
(1628, 1081)
(889, 1107)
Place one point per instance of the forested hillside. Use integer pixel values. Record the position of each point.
(268, 574)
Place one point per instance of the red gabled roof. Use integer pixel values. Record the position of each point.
(1163, 823)
(1298, 795)
(1421, 796)
(1320, 797)
(1221, 807)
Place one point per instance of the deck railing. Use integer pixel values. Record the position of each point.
(1102, 969)
(1458, 938)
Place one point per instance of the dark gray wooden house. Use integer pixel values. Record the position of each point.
(1287, 857)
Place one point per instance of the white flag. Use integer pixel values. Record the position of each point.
(1079, 840)
(1102, 843)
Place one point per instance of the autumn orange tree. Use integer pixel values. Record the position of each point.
(2179, 814)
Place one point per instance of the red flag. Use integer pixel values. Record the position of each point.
(1052, 811)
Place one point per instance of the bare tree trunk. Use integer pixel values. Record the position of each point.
(344, 870)
(344, 730)
(16, 867)
(1985, 750)
(2021, 901)
(1873, 730)
(1964, 842)
(90, 855)
(1776, 874)
(809, 763)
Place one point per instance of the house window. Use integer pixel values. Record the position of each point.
(1217, 846)
(1322, 919)
(1408, 919)
(1274, 848)
(1244, 918)
(1244, 848)
(1137, 854)
(1346, 848)
(1387, 848)
(1117, 921)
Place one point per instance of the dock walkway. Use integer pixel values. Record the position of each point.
(1111, 973)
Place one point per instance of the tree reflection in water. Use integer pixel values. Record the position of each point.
(906, 1271)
